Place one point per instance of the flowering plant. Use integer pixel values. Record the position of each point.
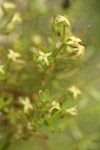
(28, 79)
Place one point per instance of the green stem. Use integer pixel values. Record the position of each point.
(56, 52)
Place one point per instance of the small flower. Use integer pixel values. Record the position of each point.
(16, 18)
(62, 19)
(80, 50)
(44, 57)
(55, 105)
(72, 111)
(2, 69)
(26, 103)
(73, 41)
(74, 90)
(13, 55)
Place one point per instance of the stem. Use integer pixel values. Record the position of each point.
(59, 50)
(64, 32)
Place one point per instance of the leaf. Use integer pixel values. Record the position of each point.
(56, 116)
(44, 95)
(37, 103)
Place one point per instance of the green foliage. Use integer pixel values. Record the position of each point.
(4, 106)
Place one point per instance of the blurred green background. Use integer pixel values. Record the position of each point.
(83, 131)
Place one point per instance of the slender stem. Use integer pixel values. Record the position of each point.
(64, 32)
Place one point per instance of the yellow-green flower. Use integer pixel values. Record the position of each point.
(16, 18)
(72, 111)
(26, 103)
(44, 57)
(62, 19)
(13, 55)
(80, 50)
(74, 90)
(74, 41)
(55, 105)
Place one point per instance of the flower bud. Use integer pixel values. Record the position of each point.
(62, 20)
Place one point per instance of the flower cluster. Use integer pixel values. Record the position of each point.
(45, 111)
(75, 45)
(66, 44)
(23, 77)
(62, 20)
(44, 57)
